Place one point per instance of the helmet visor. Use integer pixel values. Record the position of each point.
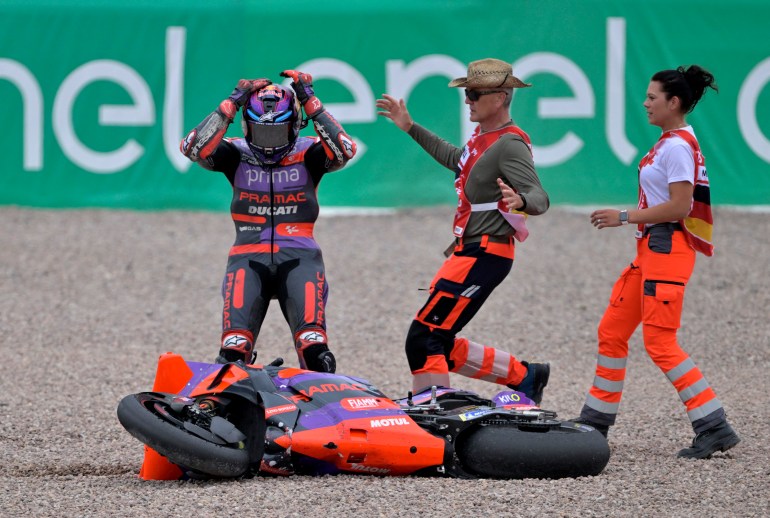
(269, 135)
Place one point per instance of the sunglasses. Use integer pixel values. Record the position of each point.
(475, 95)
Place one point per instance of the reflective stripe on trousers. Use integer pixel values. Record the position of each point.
(486, 363)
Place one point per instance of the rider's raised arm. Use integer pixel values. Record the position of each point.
(200, 144)
(337, 145)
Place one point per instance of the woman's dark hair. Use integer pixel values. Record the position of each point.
(688, 84)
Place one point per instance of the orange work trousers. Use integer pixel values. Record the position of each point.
(459, 289)
(650, 291)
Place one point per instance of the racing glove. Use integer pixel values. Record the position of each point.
(245, 88)
(302, 84)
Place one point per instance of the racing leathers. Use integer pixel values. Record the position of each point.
(275, 256)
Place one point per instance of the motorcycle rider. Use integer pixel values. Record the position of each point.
(274, 174)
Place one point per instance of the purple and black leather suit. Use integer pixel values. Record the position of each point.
(274, 209)
(275, 175)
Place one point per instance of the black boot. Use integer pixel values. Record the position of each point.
(231, 356)
(318, 357)
(719, 438)
(535, 381)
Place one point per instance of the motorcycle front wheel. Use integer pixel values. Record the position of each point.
(509, 451)
(164, 427)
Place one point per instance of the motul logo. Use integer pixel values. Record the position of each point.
(390, 421)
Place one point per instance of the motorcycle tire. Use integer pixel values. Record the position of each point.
(150, 419)
(558, 451)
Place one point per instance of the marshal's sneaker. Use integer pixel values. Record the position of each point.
(722, 437)
(535, 381)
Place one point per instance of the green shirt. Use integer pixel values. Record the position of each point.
(509, 158)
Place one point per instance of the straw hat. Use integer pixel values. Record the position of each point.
(489, 73)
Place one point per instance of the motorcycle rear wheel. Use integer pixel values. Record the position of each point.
(149, 418)
(508, 451)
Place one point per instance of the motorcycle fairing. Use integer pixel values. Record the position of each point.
(347, 425)
(316, 423)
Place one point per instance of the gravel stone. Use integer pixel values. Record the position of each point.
(91, 298)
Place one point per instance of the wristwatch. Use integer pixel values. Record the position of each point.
(624, 217)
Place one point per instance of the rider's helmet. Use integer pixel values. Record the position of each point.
(271, 122)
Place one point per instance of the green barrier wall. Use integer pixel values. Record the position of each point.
(95, 96)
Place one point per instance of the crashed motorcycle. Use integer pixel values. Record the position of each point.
(207, 420)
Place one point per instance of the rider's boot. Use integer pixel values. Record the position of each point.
(721, 437)
(313, 352)
(237, 346)
(535, 381)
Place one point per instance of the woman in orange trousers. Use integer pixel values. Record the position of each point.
(674, 222)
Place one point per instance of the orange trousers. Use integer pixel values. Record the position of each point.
(459, 289)
(650, 291)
